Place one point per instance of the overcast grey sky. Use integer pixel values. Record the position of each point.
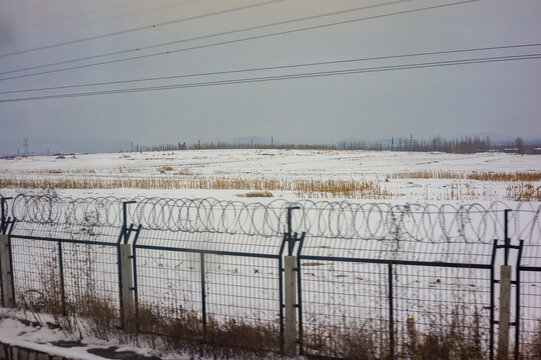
(497, 97)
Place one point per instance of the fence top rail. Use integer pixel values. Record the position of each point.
(398, 262)
(423, 222)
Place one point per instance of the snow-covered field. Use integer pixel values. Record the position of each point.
(387, 169)
(246, 288)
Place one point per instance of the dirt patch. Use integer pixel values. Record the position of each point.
(67, 344)
(112, 353)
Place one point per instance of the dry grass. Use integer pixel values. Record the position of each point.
(458, 335)
(426, 174)
(533, 349)
(352, 189)
(236, 335)
(256, 194)
(524, 192)
(504, 176)
(354, 341)
(481, 176)
(230, 338)
(460, 339)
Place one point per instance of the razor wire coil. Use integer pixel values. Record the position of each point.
(340, 219)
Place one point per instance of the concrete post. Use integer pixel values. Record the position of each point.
(290, 300)
(128, 299)
(7, 280)
(505, 312)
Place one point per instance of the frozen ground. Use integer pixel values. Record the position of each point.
(380, 167)
(279, 164)
(32, 332)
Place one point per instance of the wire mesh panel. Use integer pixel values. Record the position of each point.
(168, 283)
(67, 267)
(345, 308)
(412, 293)
(242, 288)
(530, 295)
(36, 274)
(216, 282)
(374, 278)
(90, 276)
(530, 314)
(443, 309)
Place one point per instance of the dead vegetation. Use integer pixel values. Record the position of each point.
(519, 176)
(256, 194)
(452, 336)
(427, 174)
(456, 334)
(524, 192)
(351, 189)
(533, 348)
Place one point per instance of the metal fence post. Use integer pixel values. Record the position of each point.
(4, 210)
(8, 300)
(290, 300)
(505, 312)
(62, 282)
(128, 301)
(291, 237)
(391, 314)
(2, 214)
(203, 292)
(125, 272)
(504, 320)
(517, 301)
(492, 297)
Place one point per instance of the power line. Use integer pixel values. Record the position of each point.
(278, 67)
(221, 42)
(139, 28)
(82, 14)
(203, 37)
(106, 19)
(286, 77)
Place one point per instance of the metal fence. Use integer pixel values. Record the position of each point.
(388, 280)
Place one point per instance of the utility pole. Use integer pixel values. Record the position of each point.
(25, 147)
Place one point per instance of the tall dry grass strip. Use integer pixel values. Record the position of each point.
(351, 189)
(524, 192)
(481, 176)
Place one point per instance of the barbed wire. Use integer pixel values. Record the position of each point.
(470, 223)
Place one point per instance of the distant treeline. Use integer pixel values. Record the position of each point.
(463, 145)
(459, 145)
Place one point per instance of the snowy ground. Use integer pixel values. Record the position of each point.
(380, 167)
(32, 332)
(279, 164)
